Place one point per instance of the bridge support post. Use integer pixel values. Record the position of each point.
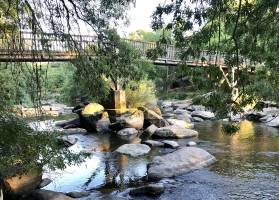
(120, 101)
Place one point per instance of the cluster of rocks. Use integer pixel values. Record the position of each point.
(153, 129)
(185, 110)
(269, 115)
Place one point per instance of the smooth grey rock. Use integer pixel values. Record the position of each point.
(102, 125)
(170, 144)
(47, 195)
(174, 132)
(153, 143)
(149, 190)
(150, 130)
(127, 133)
(178, 162)
(128, 120)
(203, 114)
(167, 110)
(45, 182)
(196, 108)
(153, 118)
(180, 123)
(191, 143)
(67, 141)
(133, 150)
(184, 116)
(197, 119)
(274, 122)
(78, 194)
(72, 131)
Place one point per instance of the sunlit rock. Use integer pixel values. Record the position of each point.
(203, 114)
(153, 118)
(180, 123)
(131, 119)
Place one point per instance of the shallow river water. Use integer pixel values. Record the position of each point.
(247, 167)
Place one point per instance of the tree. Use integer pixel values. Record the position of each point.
(147, 36)
(113, 65)
(239, 30)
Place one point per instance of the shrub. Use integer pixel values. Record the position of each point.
(140, 93)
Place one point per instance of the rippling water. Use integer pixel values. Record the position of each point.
(247, 167)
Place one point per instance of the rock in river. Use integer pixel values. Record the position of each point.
(150, 130)
(78, 194)
(274, 122)
(127, 133)
(174, 132)
(180, 123)
(47, 195)
(153, 143)
(203, 114)
(133, 150)
(181, 161)
(170, 144)
(150, 189)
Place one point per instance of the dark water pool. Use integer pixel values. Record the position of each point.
(247, 167)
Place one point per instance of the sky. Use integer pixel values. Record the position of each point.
(140, 16)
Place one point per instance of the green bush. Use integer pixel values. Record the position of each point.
(140, 93)
(22, 149)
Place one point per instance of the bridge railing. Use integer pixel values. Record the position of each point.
(27, 43)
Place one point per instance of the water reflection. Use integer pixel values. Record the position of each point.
(253, 152)
(238, 155)
(104, 169)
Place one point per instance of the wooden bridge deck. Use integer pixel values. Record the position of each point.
(28, 47)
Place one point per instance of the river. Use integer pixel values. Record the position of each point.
(247, 167)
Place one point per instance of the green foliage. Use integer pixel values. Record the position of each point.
(230, 129)
(22, 149)
(239, 30)
(140, 93)
(147, 36)
(113, 65)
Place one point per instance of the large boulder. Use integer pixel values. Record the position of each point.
(102, 125)
(127, 133)
(181, 161)
(203, 114)
(131, 119)
(89, 115)
(273, 122)
(152, 117)
(133, 150)
(23, 183)
(180, 123)
(174, 132)
(47, 195)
